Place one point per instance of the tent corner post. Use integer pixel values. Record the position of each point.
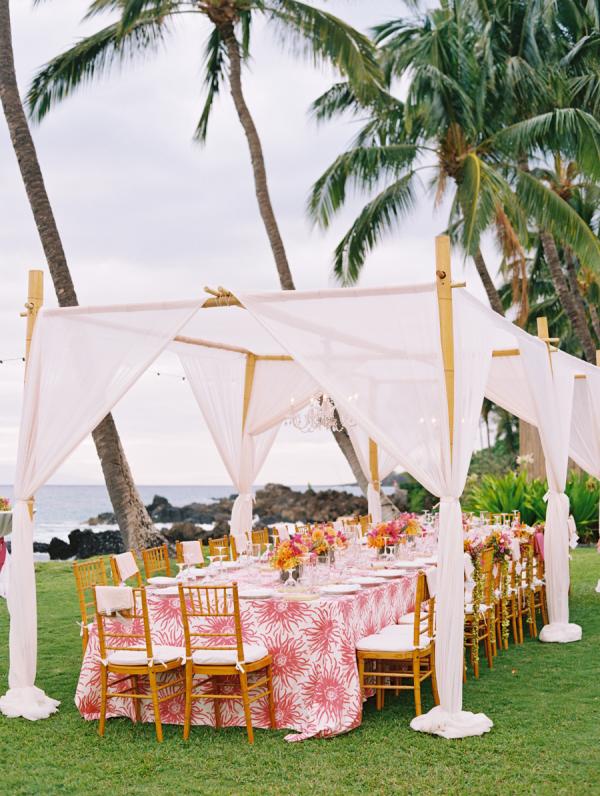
(248, 382)
(598, 357)
(374, 464)
(35, 300)
(443, 274)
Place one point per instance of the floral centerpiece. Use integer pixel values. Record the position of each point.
(324, 540)
(288, 556)
(386, 533)
(5, 517)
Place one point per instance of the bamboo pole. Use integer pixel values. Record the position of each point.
(248, 382)
(35, 300)
(444, 294)
(598, 357)
(374, 464)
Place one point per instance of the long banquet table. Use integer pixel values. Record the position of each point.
(315, 676)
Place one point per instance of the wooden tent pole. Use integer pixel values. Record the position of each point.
(248, 382)
(374, 464)
(444, 294)
(35, 300)
(598, 357)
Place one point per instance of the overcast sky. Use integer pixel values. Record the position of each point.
(146, 214)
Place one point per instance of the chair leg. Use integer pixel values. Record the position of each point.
(137, 703)
(271, 698)
(246, 701)
(85, 635)
(103, 698)
(217, 703)
(434, 688)
(532, 617)
(488, 641)
(156, 705)
(417, 683)
(188, 701)
(361, 676)
(544, 605)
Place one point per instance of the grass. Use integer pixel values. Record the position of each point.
(543, 698)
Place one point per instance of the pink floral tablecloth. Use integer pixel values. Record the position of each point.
(315, 677)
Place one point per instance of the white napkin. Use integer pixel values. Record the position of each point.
(431, 575)
(126, 565)
(192, 552)
(111, 599)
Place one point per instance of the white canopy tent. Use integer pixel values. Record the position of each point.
(410, 365)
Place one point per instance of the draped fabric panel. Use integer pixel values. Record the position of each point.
(82, 361)
(385, 461)
(217, 378)
(386, 371)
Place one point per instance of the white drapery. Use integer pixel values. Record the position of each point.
(385, 464)
(396, 392)
(81, 363)
(219, 380)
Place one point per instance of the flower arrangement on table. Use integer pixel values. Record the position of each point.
(288, 555)
(324, 539)
(5, 518)
(4, 504)
(386, 533)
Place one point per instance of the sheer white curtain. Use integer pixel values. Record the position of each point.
(377, 353)
(82, 361)
(385, 464)
(217, 378)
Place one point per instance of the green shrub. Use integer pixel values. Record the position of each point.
(512, 492)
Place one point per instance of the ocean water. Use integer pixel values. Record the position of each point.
(60, 509)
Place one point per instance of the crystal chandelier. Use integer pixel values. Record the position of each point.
(319, 414)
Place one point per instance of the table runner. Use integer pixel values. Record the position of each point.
(315, 677)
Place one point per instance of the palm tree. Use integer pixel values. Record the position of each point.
(132, 517)
(144, 24)
(452, 123)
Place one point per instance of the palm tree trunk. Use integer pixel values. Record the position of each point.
(582, 305)
(575, 314)
(490, 288)
(256, 156)
(266, 209)
(132, 517)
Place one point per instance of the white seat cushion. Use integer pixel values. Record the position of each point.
(399, 640)
(407, 619)
(252, 653)
(139, 657)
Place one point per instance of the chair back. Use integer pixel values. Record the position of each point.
(123, 635)
(88, 574)
(214, 546)
(124, 567)
(202, 604)
(424, 603)
(487, 575)
(364, 522)
(190, 552)
(156, 561)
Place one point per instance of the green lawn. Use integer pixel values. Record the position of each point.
(543, 699)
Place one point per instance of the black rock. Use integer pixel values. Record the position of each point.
(38, 547)
(59, 550)
(86, 543)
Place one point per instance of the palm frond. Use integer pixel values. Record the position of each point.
(553, 213)
(324, 37)
(214, 61)
(378, 217)
(91, 57)
(362, 166)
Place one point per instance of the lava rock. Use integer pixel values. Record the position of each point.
(59, 550)
(87, 543)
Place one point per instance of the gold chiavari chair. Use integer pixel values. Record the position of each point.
(230, 658)
(537, 592)
(194, 552)
(88, 574)
(156, 561)
(129, 655)
(124, 567)
(260, 537)
(219, 546)
(364, 522)
(401, 657)
(485, 622)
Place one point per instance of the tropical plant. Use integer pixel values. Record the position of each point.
(143, 25)
(456, 122)
(132, 517)
(584, 498)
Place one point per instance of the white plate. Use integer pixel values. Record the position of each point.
(169, 591)
(341, 588)
(230, 565)
(411, 564)
(392, 573)
(368, 580)
(162, 580)
(255, 593)
(198, 572)
(432, 560)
